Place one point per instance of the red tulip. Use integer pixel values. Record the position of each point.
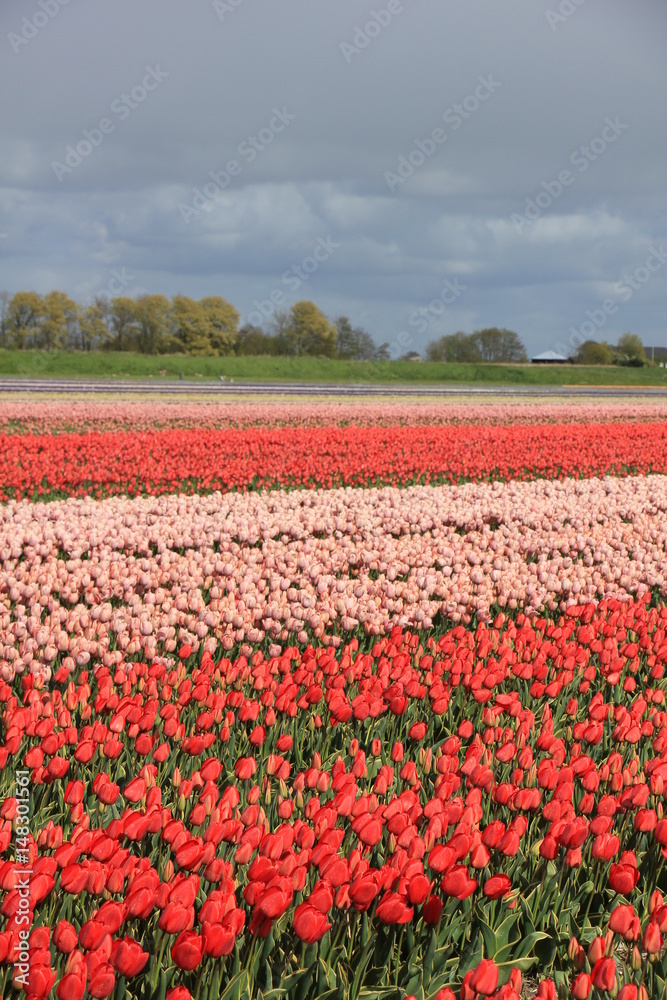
(128, 957)
(72, 986)
(652, 938)
(245, 768)
(218, 939)
(102, 981)
(546, 990)
(497, 886)
(623, 878)
(484, 979)
(187, 950)
(310, 924)
(581, 987)
(456, 882)
(392, 909)
(65, 937)
(603, 975)
(432, 909)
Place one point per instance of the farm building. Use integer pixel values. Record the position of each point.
(549, 358)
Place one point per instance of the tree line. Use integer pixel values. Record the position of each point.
(628, 351)
(155, 324)
(488, 345)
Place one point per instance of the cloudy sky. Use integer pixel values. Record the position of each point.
(422, 166)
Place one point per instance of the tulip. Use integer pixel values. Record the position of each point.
(652, 938)
(581, 987)
(497, 886)
(603, 975)
(484, 979)
(310, 924)
(623, 878)
(65, 937)
(187, 950)
(101, 982)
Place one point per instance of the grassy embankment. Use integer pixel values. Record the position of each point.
(99, 364)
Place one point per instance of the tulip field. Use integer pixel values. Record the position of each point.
(333, 701)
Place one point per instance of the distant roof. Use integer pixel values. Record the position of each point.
(549, 356)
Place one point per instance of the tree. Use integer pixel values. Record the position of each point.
(223, 321)
(592, 353)
(382, 352)
(193, 327)
(123, 323)
(93, 324)
(252, 340)
(58, 321)
(155, 325)
(353, 343)
(280, 326)
(457, 347)
(310, 332)
(499, 345)
(23, 317)
(630, 350)
(4, 319)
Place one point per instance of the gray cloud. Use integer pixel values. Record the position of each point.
(562, 69)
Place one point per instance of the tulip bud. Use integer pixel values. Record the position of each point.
(652, 939)
(636, 959)
(581, 987)
(655, 901)
(576, 953)
(176, 778)
(609, 943)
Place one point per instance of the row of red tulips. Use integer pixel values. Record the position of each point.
(435, 816)
(167, 461)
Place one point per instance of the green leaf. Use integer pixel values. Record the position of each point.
(428, 960)
(234, 986)
(472, 954)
